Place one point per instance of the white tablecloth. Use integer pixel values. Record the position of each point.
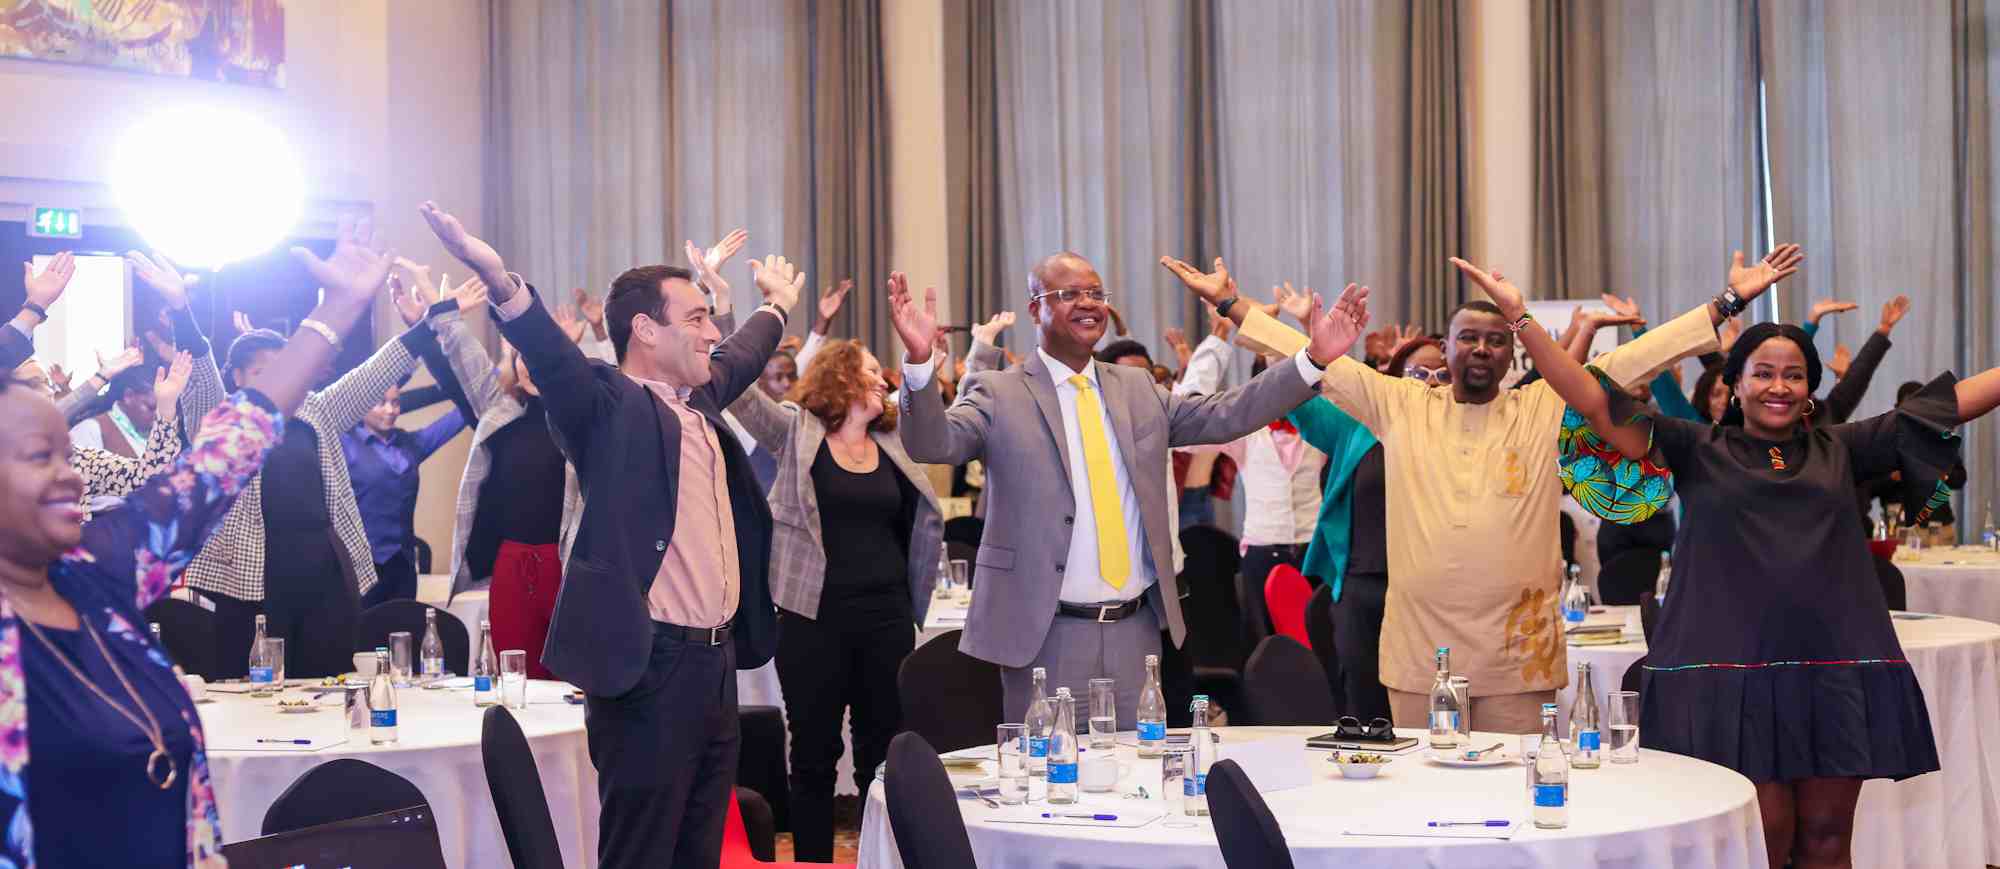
(1665, 810)
(438, 751)
(1947, 818)
(1954, 582)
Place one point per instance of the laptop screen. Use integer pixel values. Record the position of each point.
(401, 838)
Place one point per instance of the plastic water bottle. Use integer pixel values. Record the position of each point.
(1575, 599)
(1152, 714)
(1041, 722)
(485, 669)
(1989, 536)
(1201, 756)
(1551, 776)
(261, 667)
(1586, 735)
(431, 657)
(1666, 575)
(1444, 704)
(1062, 761)
(381, 703)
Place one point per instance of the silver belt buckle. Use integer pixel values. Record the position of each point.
(1104, 612)
(715, 636)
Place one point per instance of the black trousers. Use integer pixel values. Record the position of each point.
(1357, 636)
(665, 754)
(827, 667)
(1256, 567)
(310, 601)
(395, 579)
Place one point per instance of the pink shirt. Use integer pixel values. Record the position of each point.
(697, 585)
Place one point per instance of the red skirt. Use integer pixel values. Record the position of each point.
(526, 579)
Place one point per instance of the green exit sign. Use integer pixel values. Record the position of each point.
(56, 223)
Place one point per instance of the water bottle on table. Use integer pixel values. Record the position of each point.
(431, 658)
(382, 702)
(1041, 721)
(1551, 776)
(1201, 756)
(261, 668)
(1575, 599)
(485, 669)
(1585, 737)
(1444, 704)
(1062, 762)
(1152, 713)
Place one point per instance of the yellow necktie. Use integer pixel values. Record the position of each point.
(1113, 561)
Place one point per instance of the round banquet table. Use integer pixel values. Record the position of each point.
(1947, 818)
(1964, 581)
(1665, 810)
(437, 750)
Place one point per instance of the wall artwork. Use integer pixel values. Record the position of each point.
(236, 41)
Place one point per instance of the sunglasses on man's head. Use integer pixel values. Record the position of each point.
(1438, 376)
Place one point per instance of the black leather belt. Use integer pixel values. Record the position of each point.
(714, 636)
(1103, 613)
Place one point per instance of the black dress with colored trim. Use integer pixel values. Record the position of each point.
(1775, 654)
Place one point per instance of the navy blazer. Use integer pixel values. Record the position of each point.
(615, 434)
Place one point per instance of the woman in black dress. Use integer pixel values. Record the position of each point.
(1776, 656)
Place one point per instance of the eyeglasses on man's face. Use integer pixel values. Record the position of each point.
(1068, 296)
(1439, 376)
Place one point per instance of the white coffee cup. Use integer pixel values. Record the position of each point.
(364, 664)
(1098, 772)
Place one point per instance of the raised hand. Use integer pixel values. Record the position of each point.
(830, 300)
(1829, 306)
(988, 333)
(791, 344)
(568, 323)
(355, 270)
(156, 272)
(778, 280)
(241, 321)
(464, 246)
(590, 307)
(1177, 340)
(1335, 330)
(725, 250)
(915, 322)
(707, 264)
(60, 378)
(407, 302)
(46, 288)
(1727, 334)
(1751, 281)
(420, 276)
(1502, 291)
(1625, 306)
(108, 369)
(1892, 313)
(1211, 287)
(1842, 358)
(170, 382)
(1297, 303)
(471, 293)
(1220, 326)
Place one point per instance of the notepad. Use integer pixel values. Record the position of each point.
(1421, 828)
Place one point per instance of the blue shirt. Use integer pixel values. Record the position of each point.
(384, 473)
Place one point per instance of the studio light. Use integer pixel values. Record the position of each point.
(207, 186)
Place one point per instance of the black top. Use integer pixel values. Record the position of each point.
(864, 521)
(522, 499)
(294, 493)
(1616, 538)
(1368, 518)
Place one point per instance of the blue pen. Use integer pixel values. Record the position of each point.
(288, 741)
(1491, 823)
(1081, 816)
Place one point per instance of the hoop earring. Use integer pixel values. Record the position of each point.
(1811, 406)
(1733, 402)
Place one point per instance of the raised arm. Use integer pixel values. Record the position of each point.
(736, 363)
(45, 289)
(204, 386)
(984, 354)
(769, 421)
(1847, 393)
(1587, 323)
(111, 475)
(931, 432)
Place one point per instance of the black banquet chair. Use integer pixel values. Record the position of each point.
(949, 697)
(1244, 825)
(1894, 589)
(923, 807)
(964, 529)
(1284, 685)
(1212, 614)
(388, 617)
(516, 785)
(1630, 574)
(189, 633)
(1319, 629)
(338, 790)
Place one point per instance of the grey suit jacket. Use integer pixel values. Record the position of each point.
(1011, 421)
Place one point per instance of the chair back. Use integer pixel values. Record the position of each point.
(923, 807)
(1244, 825)
(420, 550)
(1284, 685)
(337, 790)
(516, 785)
(1319, 629)
(1894, 591)
(1208, 585)
(1285, 594)
(1634, 673)
(1628, 575)
(949, 697)
(1649, 613)
(760, 761)
(388, 617)
(964, 529)
(189, 633)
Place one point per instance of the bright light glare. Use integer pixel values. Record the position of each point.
(207, 186)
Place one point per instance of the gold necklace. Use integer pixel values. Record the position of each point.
(150, 727)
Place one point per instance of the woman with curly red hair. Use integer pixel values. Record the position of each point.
(854, 553)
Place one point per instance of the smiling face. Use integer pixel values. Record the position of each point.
(677, 346)
(779, 374)
(1772, 389)
(41, 495)
(1482, 352)
(1427, 364)
(382, 417)
(875, 390)
(1075, 326)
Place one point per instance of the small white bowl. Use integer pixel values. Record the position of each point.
(1349, 769)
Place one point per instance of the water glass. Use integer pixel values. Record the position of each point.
(274, 653)
(1103, 715)
(1461, 688)
(514, 679)
(961, 574)
(1174, 761)
(1624, 726)
(1012, 745)
(400, 658)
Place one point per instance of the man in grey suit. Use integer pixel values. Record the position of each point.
(1070, 569)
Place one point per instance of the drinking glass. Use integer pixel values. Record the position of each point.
(961, 573)
(1012, 746)
(1624, 726)
(514, 679)
(1461, 687)
(1103, 715)
(274, 653)
(399, 658)
(1174, 760)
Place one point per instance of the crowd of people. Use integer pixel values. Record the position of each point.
(661, 492)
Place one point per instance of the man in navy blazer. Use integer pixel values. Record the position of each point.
(665, 592)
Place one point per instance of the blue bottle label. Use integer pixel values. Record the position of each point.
(1589, 740)
(1038, 746)
(1152, 730)
(1570, 615)
(1549, 796)
(1194, 785)
(1062, 773)
(382, 718)
(482, 683)
(260, 674)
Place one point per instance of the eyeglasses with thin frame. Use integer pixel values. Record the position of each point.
(1070, 295)
(1440, 376)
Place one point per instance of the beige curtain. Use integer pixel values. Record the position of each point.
(850, 162)
(980, 273)
(1976, 84)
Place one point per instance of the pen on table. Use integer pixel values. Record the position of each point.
(1081, 816)
(1492, 823)
(287, 741)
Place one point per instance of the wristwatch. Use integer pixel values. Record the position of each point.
(1223, 306)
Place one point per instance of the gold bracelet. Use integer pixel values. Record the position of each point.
(323, 330)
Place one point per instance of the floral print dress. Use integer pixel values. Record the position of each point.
(131, 555)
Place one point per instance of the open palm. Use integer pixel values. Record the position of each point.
(354, 270)
(1751, 281)
(916, 323)
(1335, 329)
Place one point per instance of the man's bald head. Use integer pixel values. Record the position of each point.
(1057, 270)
